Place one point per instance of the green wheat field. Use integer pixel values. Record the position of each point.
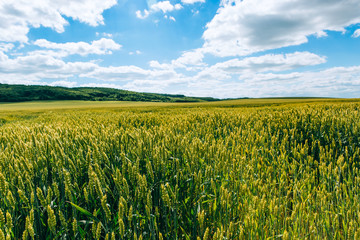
(240, 169)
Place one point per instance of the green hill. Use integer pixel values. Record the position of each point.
(21, 93)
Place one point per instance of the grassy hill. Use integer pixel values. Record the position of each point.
(21, 93)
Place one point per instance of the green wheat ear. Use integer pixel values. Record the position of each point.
(278, 170)
(2, 235)
(51, 219)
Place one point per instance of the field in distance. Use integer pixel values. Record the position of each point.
(78, 104)
(239, 169)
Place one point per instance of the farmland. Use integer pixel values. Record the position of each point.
(241, 169)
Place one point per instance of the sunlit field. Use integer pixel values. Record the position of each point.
(240, 169)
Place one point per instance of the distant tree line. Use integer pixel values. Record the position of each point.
(21, 93)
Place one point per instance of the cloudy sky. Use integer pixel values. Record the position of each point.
(218, 48)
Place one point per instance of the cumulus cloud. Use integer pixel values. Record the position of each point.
(4, 47)
(86, 11)
(192, 1)
(243, 27)
(130, 73)
(140, 85)
(100, 47)
(190, 60)
(147, 86)
(333, 82)
(36, 67)
(163, 6)
(63, 84)
(356, 33)
(102, 85)
(108, 35)
(249, 77)
(193, 60)
(170, 18)
(253, 67)
(143, 15)
(270, 62)
(137, 52)
(121, 73)
(17, 16)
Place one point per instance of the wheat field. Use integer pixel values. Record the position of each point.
(245, 169)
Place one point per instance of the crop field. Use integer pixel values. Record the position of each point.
(240, 169)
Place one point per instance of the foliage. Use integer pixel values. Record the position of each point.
(289, 171)
(20, 93)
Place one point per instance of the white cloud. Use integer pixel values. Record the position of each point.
(3, 56)
(139, 85)
(36, 67)
(56, 54)
(178, 6)
(4, 47)
(102, 85)
(18, 16)
(147, 86)
(142, 15)
(192, 1)
(102, 46)
(130, 73)
(242, 27)
(269, 62)
(170, 18)
(248, 77)
(163, 6)
(195, 12)
(121, 73)
(193, 60)
(156, 64)
(333, 82)
(253, 67)
(86, 11)
(137, 52)
(212, 74)
(356, 33)
(104, 34)
(190, 60)
(172, 85)
(63, 84)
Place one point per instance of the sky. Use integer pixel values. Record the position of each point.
(213, 48)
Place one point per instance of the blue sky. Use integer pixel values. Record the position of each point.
(223, 48)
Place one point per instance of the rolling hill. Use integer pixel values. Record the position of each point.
(21, 93)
